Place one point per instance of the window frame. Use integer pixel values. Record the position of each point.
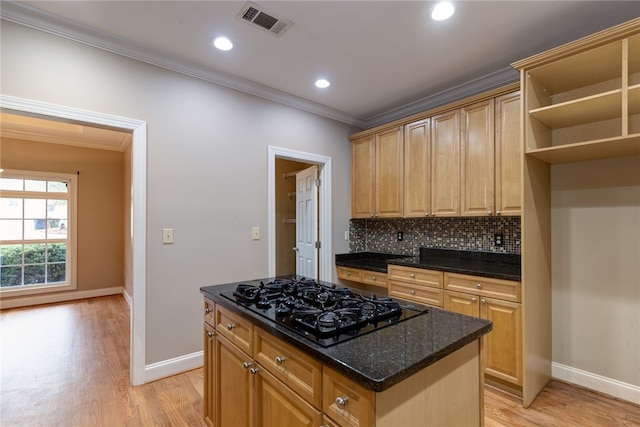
(72, 235)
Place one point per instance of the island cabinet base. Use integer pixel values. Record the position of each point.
(447, 393)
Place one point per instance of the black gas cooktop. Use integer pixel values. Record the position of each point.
(323, 312)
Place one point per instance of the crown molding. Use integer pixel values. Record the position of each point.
(26, 15)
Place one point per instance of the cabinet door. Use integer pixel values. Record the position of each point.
(508, 155)
(445, 164)
(389, 174)
(503, 345)
(477, 162)
(233, 385)
(362, 177)
(209, 375)
(462, 303)
(276, 405)
(417, 169)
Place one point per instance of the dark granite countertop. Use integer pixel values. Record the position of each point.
(384, 357)
(486, 264)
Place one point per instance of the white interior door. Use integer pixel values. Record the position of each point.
(307, 223)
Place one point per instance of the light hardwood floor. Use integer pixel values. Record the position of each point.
(68, 365)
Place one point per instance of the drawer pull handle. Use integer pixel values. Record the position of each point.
(208, 310)
(413, 292)
(210, 334)
(341, 401)
(478, 285)
(230, 326)
(473, 299)
(413, 276)
(253, 371)
(373, 277)
(348, 273)
(280, 360)
(246, 365)
(482, 301)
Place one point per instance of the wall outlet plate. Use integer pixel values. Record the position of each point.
(498, 239)
(400, 236)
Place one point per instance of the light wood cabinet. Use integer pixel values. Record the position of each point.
(582, 99)
(445, 164)
(368, 277)
(508, 155)
(416, 284)
(477, 167)
(209, 374)
(498, 301)
(346, 402)
(232, 395)
(377, 164)
(417, 169)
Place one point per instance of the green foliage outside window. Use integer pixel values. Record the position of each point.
(42, 264)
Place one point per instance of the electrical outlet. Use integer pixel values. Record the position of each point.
(498, 239)
(400, 235)
(346, 235)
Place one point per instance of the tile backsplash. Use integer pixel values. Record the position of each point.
(466, 233)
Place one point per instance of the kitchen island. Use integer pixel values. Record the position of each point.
(423, 370)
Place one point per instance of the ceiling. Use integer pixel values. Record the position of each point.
(385, 59)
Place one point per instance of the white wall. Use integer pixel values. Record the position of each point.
(595, 212)
(207, 167)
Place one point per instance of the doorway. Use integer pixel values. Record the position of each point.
(138, 220)
(274, 156)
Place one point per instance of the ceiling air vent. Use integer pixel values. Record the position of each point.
(255, 15)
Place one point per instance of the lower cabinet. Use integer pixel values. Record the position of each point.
(415, 284)
(503, 345)
(367, 277)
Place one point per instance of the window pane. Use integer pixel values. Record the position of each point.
(10, 276)
(11, 208)
(35, 208)
(33, 274)
(10, 254)
(56, 252)
(57, 208)
(56, 187)
(57, 229)
(11, 184)
(10, 229)
(34, 253)
(33, 185)
(34, 229)
(56, 272)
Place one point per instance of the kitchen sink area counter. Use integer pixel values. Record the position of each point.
(392, 367)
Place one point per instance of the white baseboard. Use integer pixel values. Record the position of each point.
(127, 298)
(615, 388)
(61, 297)
(174, 366)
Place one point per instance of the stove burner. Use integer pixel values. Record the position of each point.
(321, 311)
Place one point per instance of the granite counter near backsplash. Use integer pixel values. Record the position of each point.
(461, 233)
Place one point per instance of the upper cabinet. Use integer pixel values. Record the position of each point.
(463, 161)
(377, 164)
(582, 100)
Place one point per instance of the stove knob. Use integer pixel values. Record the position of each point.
(341, 401)
(279, 360)
(230, 326)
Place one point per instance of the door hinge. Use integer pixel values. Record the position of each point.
(318, 182)
(318, 245)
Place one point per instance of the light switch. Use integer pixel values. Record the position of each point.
(167, 236)
(255, 233)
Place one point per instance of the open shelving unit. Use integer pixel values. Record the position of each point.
(582, 100)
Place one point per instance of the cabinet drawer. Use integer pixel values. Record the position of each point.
(374, 278)
(235, 328)
(347, 273)
(299, 371)
(209, 312)
(346, 402)
(418, 276)
(507, 290)
(417, 293)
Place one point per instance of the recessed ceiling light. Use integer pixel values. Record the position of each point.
(222, 43)
(323, 83)
(442, 11)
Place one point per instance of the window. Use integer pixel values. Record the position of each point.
(37, 232)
